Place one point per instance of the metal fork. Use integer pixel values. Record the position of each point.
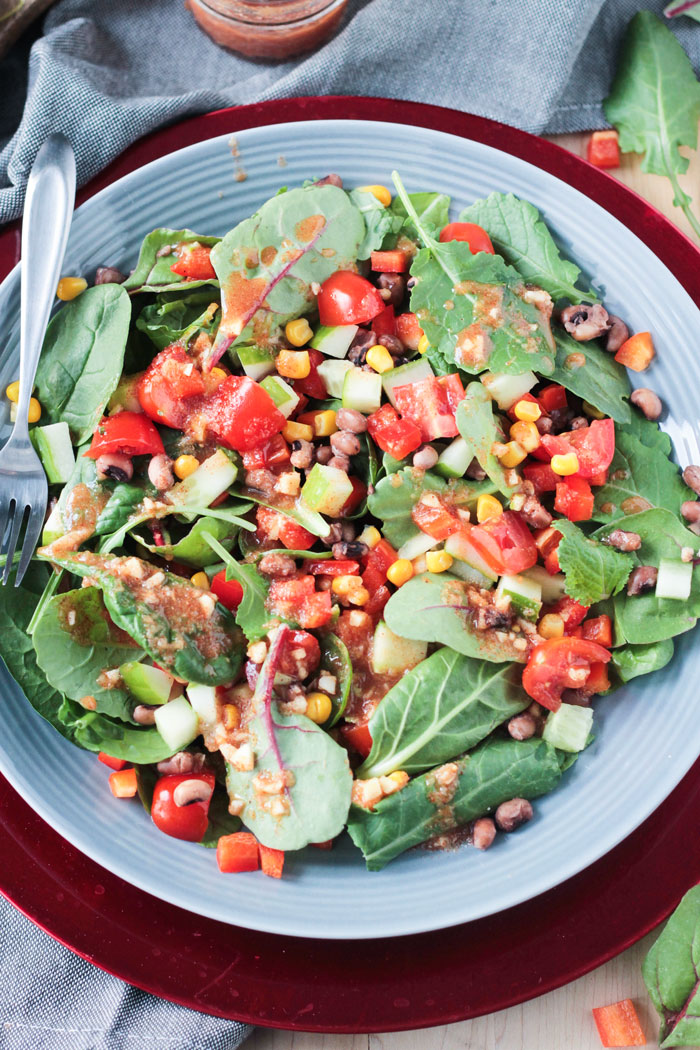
(47, 217)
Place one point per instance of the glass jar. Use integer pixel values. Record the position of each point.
(268, 28)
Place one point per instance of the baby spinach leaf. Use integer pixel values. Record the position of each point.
(655, 102)
(520, 235)
(670, 972)
(381, 223)
(268, 263)
(481, 430)
(633, 660)
(335, 659)
(395, 496)
(230, 514)
(496, 771)
(251, 615)
(293, 750)
(442, 708)
(96, 732)
(644, 618)
(75, 641)
(120, 507)
(82, 358)
(177, 318)
(165, 618)
(593, 571)
(193, 549)
(432, 607)
(153, 273)
(640, 472)
(601, 380)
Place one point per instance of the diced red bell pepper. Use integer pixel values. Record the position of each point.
(328, 844)
(426, 404)
(291, 590)
(542, 477)
(598, 680)
(312, 385)
(551, 562)
(276, 453)
(525, 397)
(552, 397)
(432, 515)
(453, 387)
(228, 592)
(398, 437)
(315, 611)
(359, 491)
(194, 262)
(385, 322)
(126, 433)
(637, 352)
(604, 149)
(114, 763)
(378, 599)
(357, 737)
(272, 525)
(618, 1024)
(574, 498)
(123, 783)
(599, 629)
(505, 542)
(408, 330)
(571, 612)
(376, 563)
(333, 567)
(271, 861)
(238, 852)
(394, 261)
(547, 540)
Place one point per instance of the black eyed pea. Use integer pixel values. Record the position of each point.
(691, 510)
(115, 466)
(144, 715)
(340, 462)
(510, 815)
(483, 833)
(160, 472)
(344, 443)
(425, 458)
(691, 476)
(648, 403)
(351, 420)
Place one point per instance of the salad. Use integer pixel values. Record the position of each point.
(353, 515)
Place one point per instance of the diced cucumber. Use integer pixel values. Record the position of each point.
(53, 527)
(412, 372)
(362, 390)
(675, 579)
(454, 460)
(568, 728)
(552, 587)
(55, 450)
(203, 701)
(126, 395)
(148, 684)
(392, 654)
(506, 390)
(285, 398)
(416, 546)
(525, 595)
(211, 478)
(333, 375)
(255, 361)
(326, 489)
(335, 342)
(461, 549)
(470, 575)
(177, 723)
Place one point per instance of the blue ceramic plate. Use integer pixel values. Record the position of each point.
(647, 735)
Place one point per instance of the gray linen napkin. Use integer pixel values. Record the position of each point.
(105, 74)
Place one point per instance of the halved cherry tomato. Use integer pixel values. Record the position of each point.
(559, 664)
(408, 330)
(454, 390)
(476, 236)
(542, 477)
(193, 262)
(505, 543)
(291, 590)
(128, 433)
(433, 515)
(300, 652)
(171, 378)
(272, 525)
(188, 822)
(385, 322)
(594, 446)
(393, 261)
(312, 385)
(426, 404)
(228, 592)
(574, 498)
(347, 298)
(357, 737)
(241, 415)
(315, 611)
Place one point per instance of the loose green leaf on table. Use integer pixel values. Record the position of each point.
(593, 570)
(82, 358)
(442, 708)
(601, 380)
(670, 972)
(153, 273)
(481, 430)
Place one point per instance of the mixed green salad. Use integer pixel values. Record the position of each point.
(353, 514)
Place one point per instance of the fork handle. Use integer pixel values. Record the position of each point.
(47, 217)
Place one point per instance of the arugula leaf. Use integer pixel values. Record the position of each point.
(520, 235)
(176, 318)
(670, 972)
(633, 660)
(251, 615)
(395, 496)
(153, 273)
(640, 477)
(480, 429)
(268, 263)
(644, 618)
(381, 223)
(655, 102)
(601, 380)
(495, 772)
(432, 608)
(82, 358)
(165, 619)
(312, 521)
(433, 210)
(593, 571)
(442, 708)
(317, 794)
(335, 659)
(75, 641)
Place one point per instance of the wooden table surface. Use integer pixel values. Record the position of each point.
(560, 1020)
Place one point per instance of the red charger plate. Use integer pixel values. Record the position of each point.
(363, 986)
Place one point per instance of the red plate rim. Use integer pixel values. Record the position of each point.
(384, 985)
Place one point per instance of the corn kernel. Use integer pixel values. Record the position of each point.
(423, 344)
(293, 364)
(200, 579)
(527, 411)
(526, 435)
(232, 716)
(218, 373)
(297, 432)
(324, 423)
(551, 626)
(34, 414)
(379, 358)
(370, 536)
(587, 407)
(185, 465)
(358, 595)
(318, 708)
(399, 777)
(12, 391)
(438, 561)
(298, 332)
(565, 465)
(399, 572)
(345, 584)
(382, 194)
(70, 288)
(512, 455)
(488, 507)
